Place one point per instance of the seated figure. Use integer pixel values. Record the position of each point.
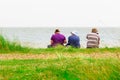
(93, 39)
(57, 39)
(74, 40)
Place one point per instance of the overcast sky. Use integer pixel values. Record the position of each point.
(62, 13)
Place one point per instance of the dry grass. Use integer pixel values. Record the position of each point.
(11, 56)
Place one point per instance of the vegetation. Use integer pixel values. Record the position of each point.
(60, 68)
(8, 47)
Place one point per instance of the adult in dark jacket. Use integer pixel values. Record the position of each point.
(74, 40)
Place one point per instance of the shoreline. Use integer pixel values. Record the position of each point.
(40, 37)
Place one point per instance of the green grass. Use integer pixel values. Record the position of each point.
(60, 69)
(9, 47)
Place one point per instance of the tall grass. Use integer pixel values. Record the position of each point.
(7, 46)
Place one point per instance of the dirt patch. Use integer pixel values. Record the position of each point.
(54, 56)
(25, 56)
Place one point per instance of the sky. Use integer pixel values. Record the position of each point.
(59, 13)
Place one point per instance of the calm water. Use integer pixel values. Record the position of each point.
(40, 37)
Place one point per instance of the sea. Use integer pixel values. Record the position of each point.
(39, 37)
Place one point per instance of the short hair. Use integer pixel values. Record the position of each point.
(94, 30)
(57, 30)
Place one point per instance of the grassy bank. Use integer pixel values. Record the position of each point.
(9, 47)
(62, 63)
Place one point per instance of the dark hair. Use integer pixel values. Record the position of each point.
(57, 30)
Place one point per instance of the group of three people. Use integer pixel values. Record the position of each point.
(93, 39)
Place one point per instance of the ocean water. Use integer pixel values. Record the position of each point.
(40, 37)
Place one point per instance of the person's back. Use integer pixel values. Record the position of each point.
(57, 38)
(74, 40)
(93, 39)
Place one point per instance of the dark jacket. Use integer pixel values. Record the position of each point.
(74, 41)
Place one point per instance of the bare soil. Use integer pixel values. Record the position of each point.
(11, 56)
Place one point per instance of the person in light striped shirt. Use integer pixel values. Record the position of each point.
(93, 39)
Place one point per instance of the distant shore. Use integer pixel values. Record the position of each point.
(40, 37)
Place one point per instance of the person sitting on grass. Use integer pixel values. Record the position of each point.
(74, 40)
(57, 39)
(93, 39)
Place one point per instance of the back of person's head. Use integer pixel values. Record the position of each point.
(57, 30)
(94, 30)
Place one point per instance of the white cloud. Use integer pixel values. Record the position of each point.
(28, 13)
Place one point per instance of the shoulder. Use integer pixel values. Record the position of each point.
(62, 35)
(70, 37)
(92, 34)
(53, 35)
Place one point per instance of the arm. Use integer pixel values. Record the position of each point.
(98, 40)
(68, 41)
(51, 42)
(87, 36)
(65, 41)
